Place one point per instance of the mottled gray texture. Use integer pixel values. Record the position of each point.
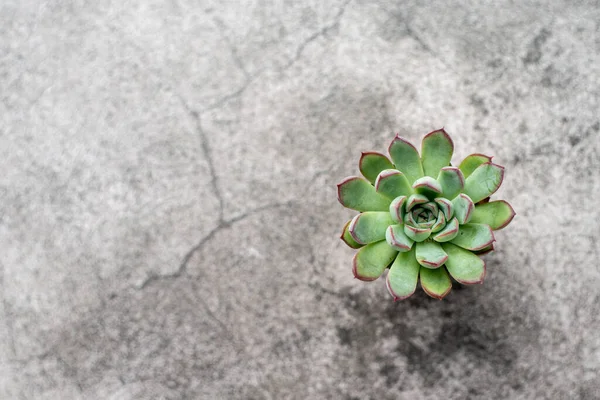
(168, 215)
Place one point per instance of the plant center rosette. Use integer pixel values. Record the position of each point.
(421, 217)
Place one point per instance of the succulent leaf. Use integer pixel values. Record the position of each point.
(449, 232)
(471, 162)
(440, 223)
(417, 234)
(463, 265)
(421, 217)
(396, 238)
(463, 208)
(474, 236)
(485, 250)
(446, 206)
(370, 226)
(370, 261)
(358, 194)
(414, 200)
(484, 181)
(496, 214)
(435, 282)
(392, 183)
(430, 254)
(427, 186)
(406, 158)
(403, 276)
(436, 152)
(372, 163)
(452, 182)
(348, 239)
(396, 208)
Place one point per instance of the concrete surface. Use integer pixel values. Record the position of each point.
(169, 224)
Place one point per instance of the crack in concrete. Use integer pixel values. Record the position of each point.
(223, 224)
(250, 78)
(207, 153)
(321, 32)
(234, 53)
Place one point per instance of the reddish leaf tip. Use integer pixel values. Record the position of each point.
(394, 295)
(343, 182)
(401, 139)
(355, 271)
(479, 280)
(443, 131)
(512, 215)
(435, 295)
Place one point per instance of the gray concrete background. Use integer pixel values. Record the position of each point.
(169, 223)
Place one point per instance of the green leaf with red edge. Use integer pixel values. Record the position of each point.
(436, 152)
(402, 278)
(463, 265)
(435, 282)
(414, 200)
(396, 208)
(370, 226)
(370, 261)
(463, 208)
(417, 234)
(449, 232)
(496, 214)
(392, 183)
(473, 236)
(348, 239)
(371, 163)
(440, 222)
(396, 238)
(427, 186)
(406, 158)
(358, 194)
(485, 250)
(471, 162)
(446, 206)
(430, 254)
(452, 182)
(484, 181)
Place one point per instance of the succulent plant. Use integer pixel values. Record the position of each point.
(421, 217)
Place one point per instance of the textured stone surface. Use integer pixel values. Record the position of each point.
(168, 217)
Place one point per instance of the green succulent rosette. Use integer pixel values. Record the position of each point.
(421, 217)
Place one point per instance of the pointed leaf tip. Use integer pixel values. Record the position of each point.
(406, 158)
(436, 152)
(371, 163)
